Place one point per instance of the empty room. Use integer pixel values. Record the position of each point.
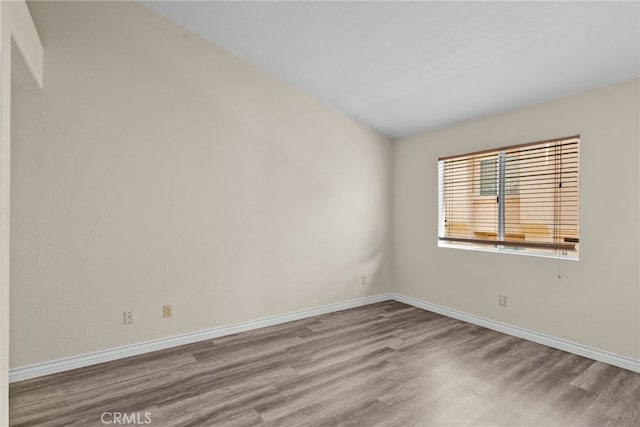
(319, 213)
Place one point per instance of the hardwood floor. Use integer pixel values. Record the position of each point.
(385, 364)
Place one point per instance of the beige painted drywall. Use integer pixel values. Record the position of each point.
(155, 168)
(595, 302)
(16, 26)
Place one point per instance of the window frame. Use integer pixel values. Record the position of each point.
(564, 249)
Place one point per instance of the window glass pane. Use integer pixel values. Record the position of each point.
(512, 175)
(489, 177)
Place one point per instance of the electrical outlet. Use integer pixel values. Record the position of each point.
(364, 280)
(167, 311)
(128, 317)
(502, 301)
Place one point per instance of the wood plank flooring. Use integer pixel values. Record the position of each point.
(385, 364)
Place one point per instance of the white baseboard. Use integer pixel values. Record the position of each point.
(548, 340)
(82, 360)
(68, 363)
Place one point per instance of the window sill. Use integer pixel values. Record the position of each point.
(510, 250)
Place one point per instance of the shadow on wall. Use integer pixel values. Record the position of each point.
(326, 227)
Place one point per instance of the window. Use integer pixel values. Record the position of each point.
(522, 199)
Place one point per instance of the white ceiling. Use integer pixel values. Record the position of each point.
(407, 67)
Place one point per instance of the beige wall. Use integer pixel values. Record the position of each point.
(154, 168)
(596, 302)
(16, 27)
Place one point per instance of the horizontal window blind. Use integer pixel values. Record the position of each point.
(522, 196)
